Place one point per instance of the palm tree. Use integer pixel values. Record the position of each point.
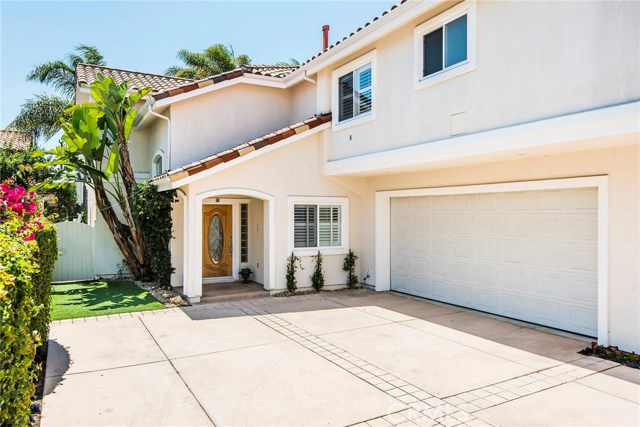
(215, 59)
(41, 114)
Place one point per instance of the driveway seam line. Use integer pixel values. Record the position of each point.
(178, 373)
(230, 349)
(107, 369)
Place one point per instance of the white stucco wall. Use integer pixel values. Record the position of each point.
(212, 122)
(620, 164)
(272, 173)
(534, 60)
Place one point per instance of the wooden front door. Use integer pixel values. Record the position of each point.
(216, 241)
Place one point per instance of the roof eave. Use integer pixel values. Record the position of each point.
(359, 39)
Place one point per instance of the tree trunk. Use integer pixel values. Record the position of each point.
(121, 235)
(129, 181)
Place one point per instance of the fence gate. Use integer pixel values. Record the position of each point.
(76, 244)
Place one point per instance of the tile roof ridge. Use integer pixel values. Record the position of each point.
(133, 71)
(354, 32)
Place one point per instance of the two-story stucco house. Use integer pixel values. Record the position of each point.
(483, 154)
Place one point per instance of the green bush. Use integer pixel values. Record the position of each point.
(17, 308)
(46, 256)
(152, 211)
(293, 263)
(317, 278)
(349, 266)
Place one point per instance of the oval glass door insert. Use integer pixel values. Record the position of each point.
(216, 239)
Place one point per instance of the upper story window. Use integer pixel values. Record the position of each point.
(354, 88)
(354, 93)
(318, 223)
(445, 46)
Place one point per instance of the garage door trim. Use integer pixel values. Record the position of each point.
(382, 278)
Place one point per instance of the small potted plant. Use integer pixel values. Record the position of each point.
(245, 273)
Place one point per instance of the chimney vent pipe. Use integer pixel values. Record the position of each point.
(325, 37)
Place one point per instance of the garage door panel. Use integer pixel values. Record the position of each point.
(530, 255)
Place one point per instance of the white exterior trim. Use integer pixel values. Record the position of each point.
(343, 202)
(382, 278)
(469, 8)
(613, 120)
(166, 184)
(246, 79)
(367, 58)
(159, 153)
(194, 262)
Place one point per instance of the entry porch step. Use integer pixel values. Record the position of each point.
(231, 291)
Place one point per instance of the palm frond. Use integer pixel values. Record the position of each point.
(172, 71)
(90, 55)
(56, 74)
(41, 116)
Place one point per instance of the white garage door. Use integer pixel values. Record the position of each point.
(529, 255)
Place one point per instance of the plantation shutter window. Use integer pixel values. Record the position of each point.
(329, 224)
(317, 226)
(355, 95)
(445, 47)
(305, 226)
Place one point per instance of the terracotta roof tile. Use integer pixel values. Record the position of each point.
(87, 74)
(395, 6)
(244, 149)
(260, 70)
(15, 140)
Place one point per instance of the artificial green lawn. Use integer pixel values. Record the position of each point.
(74, 300)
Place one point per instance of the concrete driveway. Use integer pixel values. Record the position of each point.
(341, 358)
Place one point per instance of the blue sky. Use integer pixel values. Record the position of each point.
(145, 35)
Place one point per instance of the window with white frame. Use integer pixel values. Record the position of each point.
(354, 93)
(444, 46)
(318, 224)
(354, 90)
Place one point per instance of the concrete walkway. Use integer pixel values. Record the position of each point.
(340, 358)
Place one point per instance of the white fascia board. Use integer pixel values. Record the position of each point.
(615, 120)
(254, 80)
(166, 184)
(376, 30)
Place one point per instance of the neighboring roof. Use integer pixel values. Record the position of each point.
(275, 71)
(87, 74)
(15, 140)
(270, 70)
(395, 6)
(244, 149)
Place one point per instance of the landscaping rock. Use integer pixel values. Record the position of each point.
(165, 294)
(177, 300)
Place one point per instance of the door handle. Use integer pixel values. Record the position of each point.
(230, 247)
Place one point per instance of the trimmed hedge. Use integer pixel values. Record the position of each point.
(17, 340)
(46, 256)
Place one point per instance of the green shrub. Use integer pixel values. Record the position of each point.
(293, 262)
(349, 266)
(17, 308)
(317, 278)
(46, 256)
(152, 211)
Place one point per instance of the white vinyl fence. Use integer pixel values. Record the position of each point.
(76, 247)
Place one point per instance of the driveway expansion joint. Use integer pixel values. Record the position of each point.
(178, 374)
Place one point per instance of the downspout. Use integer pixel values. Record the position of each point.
(309, 79)
(168, 134)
